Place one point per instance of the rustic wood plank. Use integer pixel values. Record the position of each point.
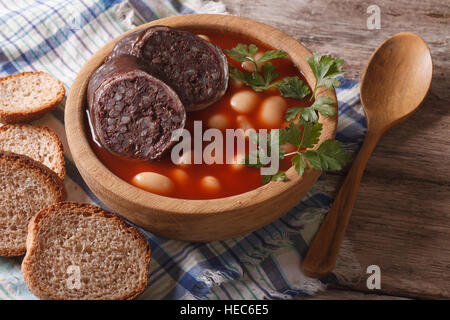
(335, 294)
(401, 219)
(403, 237)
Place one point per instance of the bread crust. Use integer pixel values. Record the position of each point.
(49, 177)
(61, 172)
(39, 289)
(8, 116)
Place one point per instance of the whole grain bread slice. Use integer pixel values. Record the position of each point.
(38, 142)
(26, 186)
(80, 251)
(28, 96)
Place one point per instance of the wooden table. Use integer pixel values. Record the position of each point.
(401, 220)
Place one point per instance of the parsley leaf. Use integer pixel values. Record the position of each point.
(279, 176)
(292, 87)
(325, 69)
(299, 164)
(255, 80)
(292, 113)
(269, 74)
(311, 134)
(255, 155)
(291, 134)
(266, 179)
(272, 54)
(323, 105)
(329, 156)
(242, 52)
(237, 74)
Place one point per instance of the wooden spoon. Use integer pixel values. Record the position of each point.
(394, 84)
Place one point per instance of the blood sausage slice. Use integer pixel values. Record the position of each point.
(132, 112)
(195, 68)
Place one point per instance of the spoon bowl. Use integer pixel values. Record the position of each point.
(396, 80)
(394, 84)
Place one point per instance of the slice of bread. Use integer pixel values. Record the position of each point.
(28, 96)
(80, 251)
(26, 186)
(38, 142)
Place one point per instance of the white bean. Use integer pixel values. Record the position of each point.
(180, 176)
(244, 101)
(205, 37)
(272, 111)
(248, 66)
(154, 182)
(273, 90)
(218, 121)
(235, 84)
(210, 183)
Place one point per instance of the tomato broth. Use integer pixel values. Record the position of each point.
(188, 179)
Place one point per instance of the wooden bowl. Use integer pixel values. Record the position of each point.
(193, 220)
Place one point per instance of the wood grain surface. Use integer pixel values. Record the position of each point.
(401, 219)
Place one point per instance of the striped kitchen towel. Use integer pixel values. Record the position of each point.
(58, 36)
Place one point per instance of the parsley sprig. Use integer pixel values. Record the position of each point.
(292, 87)
(330, 155)
(304, 130)
(259, 82)
(243, 52)
(304, 135)
(263, 78)
(325, 69)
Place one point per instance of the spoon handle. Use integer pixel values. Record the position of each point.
(324, 249)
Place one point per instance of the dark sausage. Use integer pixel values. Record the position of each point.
(132, 112)
(195, 68)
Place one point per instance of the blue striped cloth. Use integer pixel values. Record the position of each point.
(58, 37)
